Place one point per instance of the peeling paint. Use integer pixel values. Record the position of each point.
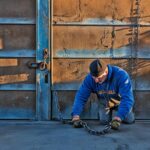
(11, 53)
(38, 81)
(118, 31)
(18, 87)
(17, 21)
(122, 52)
(13, 78)
(8, 62)
(106, 12)
(82, 53)
(95, 21)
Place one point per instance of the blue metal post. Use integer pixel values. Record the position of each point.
(42, 76)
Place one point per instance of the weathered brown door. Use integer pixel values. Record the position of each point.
(116, 31)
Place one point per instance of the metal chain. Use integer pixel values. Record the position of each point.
(91, 131)
(106, 129)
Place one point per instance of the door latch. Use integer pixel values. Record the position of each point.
(40, 65)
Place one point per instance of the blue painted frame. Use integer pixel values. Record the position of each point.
(18, 87)
(17, 21)
(18, 53)
(42, 88)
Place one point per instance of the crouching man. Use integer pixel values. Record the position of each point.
(114, 91)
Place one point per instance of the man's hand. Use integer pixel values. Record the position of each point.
(111, 104)
(76, 121)
(115, 123)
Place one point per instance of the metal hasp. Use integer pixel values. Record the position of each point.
(42, 58)
(41, 65)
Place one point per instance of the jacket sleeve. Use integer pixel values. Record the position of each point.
(126, 93)
(82, 96)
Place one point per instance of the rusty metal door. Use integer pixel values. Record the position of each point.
(113, 30)
(24, 73)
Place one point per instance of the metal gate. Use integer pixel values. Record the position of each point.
(113, 30)
(24, 60)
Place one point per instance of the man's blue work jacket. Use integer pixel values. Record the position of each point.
(117, 84)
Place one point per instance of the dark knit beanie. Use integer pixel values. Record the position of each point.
(97, 67)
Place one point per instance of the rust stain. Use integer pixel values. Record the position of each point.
(68, 70)
(143, 68)
(8, 62)
(66, 10)
(89, 38)
(5, 79)
(80, 10)
(95, 38)
(49, 66)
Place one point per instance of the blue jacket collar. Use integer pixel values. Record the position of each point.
(109, 72)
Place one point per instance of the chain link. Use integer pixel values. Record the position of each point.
(106, 129)
(91, 131)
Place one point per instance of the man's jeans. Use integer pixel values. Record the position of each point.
(106, 118)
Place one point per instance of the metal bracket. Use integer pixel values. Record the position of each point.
(35, 65)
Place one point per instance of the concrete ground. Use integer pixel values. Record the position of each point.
(56, 136)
